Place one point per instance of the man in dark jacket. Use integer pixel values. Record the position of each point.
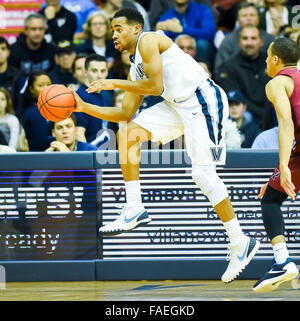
(31, 51)
(246, 72)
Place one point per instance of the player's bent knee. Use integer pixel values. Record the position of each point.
(137, 134)
(210, 183)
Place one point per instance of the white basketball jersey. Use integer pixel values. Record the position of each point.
(182, 75)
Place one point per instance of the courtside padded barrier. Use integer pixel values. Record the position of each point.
(51, 205)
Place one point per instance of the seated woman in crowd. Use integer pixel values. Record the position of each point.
(36, 127)
(97, 35)
(9, 123)
(276, 16)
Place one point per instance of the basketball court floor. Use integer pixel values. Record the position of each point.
(206, 290)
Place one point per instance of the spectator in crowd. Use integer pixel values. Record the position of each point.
(64, 58)
(8, 73)
(247, 126)
(187, 43)
(62, 23)
(79, 70)
(245, 72)
(267, 139)
(158, 7)
(110, 7)
(9, 123)
(97, 37)
(276, 16)
(88, 126)
(82, 9)
(64, 132)
(247, 15)
(31, 51)
(196, 20)
(36, 127)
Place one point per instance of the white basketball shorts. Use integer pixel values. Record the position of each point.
(200, 118)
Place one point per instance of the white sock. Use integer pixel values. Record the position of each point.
(133, 194)
(280, 252)
(234, 231)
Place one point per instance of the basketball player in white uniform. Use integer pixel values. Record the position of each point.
(193, 105)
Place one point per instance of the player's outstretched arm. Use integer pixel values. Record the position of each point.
(152, 84)
(130, 105)
(276, 91)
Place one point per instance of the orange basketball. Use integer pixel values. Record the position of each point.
(56, 102)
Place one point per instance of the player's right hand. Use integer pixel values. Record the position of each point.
(286, 181)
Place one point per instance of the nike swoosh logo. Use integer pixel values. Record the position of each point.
(128, 220)
(241, 258)
(277, 272)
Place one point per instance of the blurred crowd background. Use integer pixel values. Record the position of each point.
(69, 42)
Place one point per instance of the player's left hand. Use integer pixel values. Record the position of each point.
(286, 181)
(101, 84)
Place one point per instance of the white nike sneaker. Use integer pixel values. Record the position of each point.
(130, 217)
(240, 256)
(277, 274)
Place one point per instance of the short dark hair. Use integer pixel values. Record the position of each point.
(72, 116)
(3, 40)
(93, 57)
(287, 50)
(78, 56)
(131, 15)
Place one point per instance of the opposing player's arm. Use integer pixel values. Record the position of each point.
(277, 93)
(152, 84)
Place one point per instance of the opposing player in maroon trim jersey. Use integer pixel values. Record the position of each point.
(284, 93)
